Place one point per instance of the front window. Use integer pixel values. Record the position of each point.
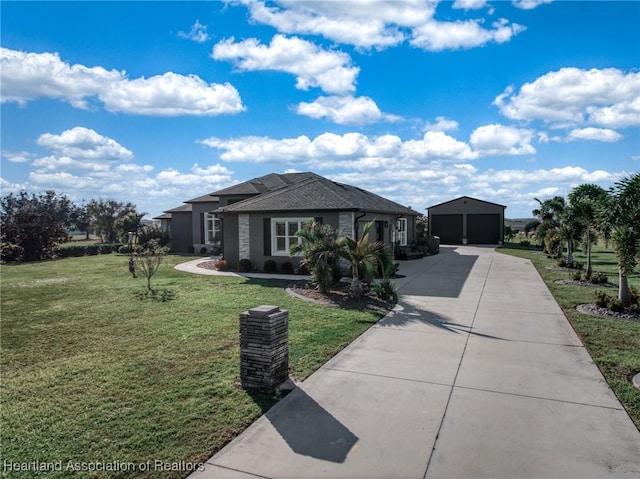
(213, 232)
(401, 231)
(283, 234)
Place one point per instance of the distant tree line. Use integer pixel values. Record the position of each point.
(33, 226)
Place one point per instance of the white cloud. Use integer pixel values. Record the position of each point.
(363, 24)
(53, 162)
(502, 140)
(84, 143)
(622, 114)
(345, 110)
(172, 95)
(570, 96)
(438, 145)
(198, 33)
(17, 157)
(31, 76)
(568, 176)
(442, 124)
(313, 67)
(469, 4)
(597, 134)
(529, 4)
(438, 36)
(380, 23)
(329, 147)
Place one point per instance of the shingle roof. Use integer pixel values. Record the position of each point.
(316, 193)
(180, 209)
(204, 199)
(264, 184)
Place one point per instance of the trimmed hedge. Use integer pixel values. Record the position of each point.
(87, 250)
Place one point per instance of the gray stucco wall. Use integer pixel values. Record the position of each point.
(230, 240)
(181, 233)
(197, 224)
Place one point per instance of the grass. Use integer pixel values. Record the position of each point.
(93, 374)
(614, 344)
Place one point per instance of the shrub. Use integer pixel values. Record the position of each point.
(576, 275)
(385, 289)
(525, 242)
(286, 267)
(599, 278)
(221, 264)
(602, 299)
(245, 265)
(11, 252)
(615, 305)
(75, 251)
(562, 262)
(574, 264)
(153, 232)
(270, 266)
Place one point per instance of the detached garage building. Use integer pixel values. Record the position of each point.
(467, 220)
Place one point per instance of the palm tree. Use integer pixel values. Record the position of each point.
(363, 256)
(320, 249)
(620, 213)
(585, 200)
(550, 215)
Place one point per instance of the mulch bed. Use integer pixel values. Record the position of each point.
(207, 265)
(594, 310)
(339, 297)
(574, 282)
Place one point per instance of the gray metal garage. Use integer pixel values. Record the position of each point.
(467, 220)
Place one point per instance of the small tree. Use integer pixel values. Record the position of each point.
(620, 213)
(153, 232)
(509, 233)
(148, 260)
(363, 257)
(585, 200)
(530, 226)
(105, 215)
(320, 249)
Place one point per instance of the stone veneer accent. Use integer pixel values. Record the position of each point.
(345, 224)
(244, 242)
(264, 348)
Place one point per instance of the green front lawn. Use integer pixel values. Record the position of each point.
(93, 374)
(614, 344)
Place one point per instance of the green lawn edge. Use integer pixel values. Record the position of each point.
(95, 376)
(614, 344)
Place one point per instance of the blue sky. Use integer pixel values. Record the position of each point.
(418, 101)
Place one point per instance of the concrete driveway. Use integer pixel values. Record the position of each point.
(477, 375)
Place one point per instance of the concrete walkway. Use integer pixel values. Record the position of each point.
(478, 375)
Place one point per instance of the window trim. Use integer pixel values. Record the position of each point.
(402, 234)
(274, 242)
(210, 219)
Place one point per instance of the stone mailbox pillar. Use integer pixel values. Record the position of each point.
(264, 348)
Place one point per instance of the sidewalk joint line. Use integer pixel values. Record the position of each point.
(492, 391)
(237, 470)
(383, 376)
(455, 378)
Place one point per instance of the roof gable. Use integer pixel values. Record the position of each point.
(465, 198)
